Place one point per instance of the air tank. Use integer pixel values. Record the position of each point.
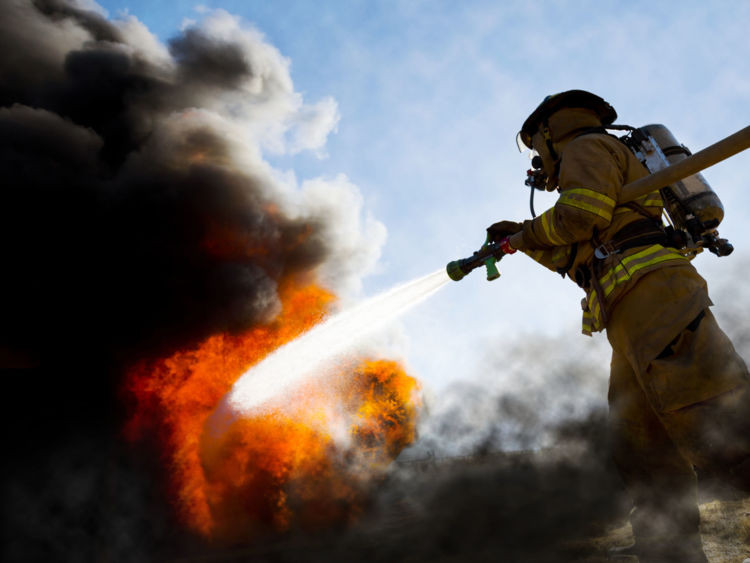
(691, 196)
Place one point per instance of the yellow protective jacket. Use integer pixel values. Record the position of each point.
(593, 169)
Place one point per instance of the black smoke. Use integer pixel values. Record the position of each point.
(120, 236)
(514, 465)
(137, 216)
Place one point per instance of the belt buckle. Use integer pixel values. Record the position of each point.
(605, 250)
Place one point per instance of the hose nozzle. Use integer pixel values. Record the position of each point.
(487, 256)
(455, 272)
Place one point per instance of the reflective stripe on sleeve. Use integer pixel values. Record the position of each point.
(588, 200)
(547, 221)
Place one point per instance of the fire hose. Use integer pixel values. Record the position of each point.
(492, 252)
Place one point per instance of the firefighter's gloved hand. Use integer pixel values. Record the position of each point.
(503, 229)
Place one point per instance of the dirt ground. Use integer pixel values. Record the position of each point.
(726, 530)
(725, 527)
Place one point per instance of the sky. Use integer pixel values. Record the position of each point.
(426, 98)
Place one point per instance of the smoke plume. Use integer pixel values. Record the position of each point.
(138, 216)
(515, 463)
(520, 396)
(138, 212)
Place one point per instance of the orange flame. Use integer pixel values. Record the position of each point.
(307, 466)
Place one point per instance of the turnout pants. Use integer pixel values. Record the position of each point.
(687, 407)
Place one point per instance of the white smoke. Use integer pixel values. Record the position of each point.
(264, 114)
(528, 385)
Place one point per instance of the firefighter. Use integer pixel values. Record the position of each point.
(679, 394)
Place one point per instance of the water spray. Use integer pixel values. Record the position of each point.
(292, 365)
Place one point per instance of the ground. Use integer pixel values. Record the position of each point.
(541, 507)
(725, 527)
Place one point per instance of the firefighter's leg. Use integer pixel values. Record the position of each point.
(660, 480)
(702, 390)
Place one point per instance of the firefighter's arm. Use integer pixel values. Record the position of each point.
(554, 259)
(591, 174)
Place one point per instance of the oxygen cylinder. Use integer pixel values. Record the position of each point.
(688, 199)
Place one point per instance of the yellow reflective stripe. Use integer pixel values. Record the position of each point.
(635, 262)
(591, 317)
(655, 201)
(594, 308)
(605, 199)
(622, 209)
(595, 314)
(588, 323)
(548, 227)
(588, 200)
(621, 272)
(624, 272)
(652, 199)
(653, 261)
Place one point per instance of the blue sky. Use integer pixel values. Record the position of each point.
(430, 95)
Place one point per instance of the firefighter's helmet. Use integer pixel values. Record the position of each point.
(556, 102)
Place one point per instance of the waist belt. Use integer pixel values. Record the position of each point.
(644, 232)
(638, 233)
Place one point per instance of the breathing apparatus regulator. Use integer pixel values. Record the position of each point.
(693, 210)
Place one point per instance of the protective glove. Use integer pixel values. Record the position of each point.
(503, 229)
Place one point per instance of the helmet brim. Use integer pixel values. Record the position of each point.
(568, 99)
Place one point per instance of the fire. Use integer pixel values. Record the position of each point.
(308, 465)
